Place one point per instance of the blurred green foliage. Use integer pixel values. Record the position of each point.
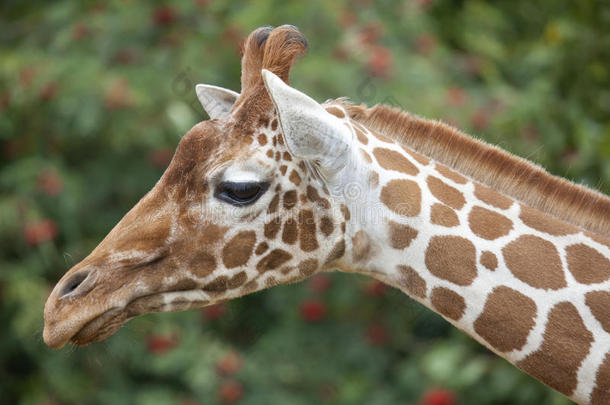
(95, 96)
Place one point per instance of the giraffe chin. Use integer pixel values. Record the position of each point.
(106, 324)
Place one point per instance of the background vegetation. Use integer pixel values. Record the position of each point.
(95, 96)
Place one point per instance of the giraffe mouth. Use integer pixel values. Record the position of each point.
(107, 323)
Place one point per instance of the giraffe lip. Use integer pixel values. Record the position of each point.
(107, 323)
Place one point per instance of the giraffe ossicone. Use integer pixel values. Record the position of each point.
(276, 187)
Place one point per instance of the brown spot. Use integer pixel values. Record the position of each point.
(303, 167)
(274, 140)
(270, 153)
(345, 212)
(488, 224)
(452, 258)
(566, 344)
(290, 199)
(373, 179)
(362, 247)
(271, 282)
(211, 234)
(599, 303)
(262, 139)
(335, 111)
(290, 232)
(337, 252)
(401, 235)
(601, 391)
(544, 223)
(261, 248)
(442, 215)
(599, 239)
(489, 260)
(287, 156)
(308, 267)
(272, 228)
(273, 204)
(450, 174)
(216, 285)
(202, 264)
(343, 227)
(238, 250)
(307, 224)
(417, 156)
(280, 139)
(382, 138)
(361, 136)
(283, 169)
(295, 178)
(445, 193)
(490, 197)
(237, 280)
(278, 156)
(448, 303)
(392, 160)
(249, 287)
(507, 319)
(367, 158)
(274, 124)
(412, 281)
(273, 260)
(535, 261)
(263, 122)
(402, 196)
(312, 194)
(587, 265)
(326, 225)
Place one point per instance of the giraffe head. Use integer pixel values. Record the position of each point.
(244, 205)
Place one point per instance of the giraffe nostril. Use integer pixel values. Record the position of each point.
(72, 283)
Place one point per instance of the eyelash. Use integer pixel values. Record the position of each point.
(250, 192)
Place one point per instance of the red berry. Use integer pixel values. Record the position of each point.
(229, 364)
(456, 96)
(79, 31)
(319, 283)
(438, 396)
(48, 91)
(231, 391)
(347, 18)
(380, 60)
(375, 288)
(49, 182)
(480, 119)
(26, 76)
(118, 95)
(160, 344)
(370, 34)
(38, 232)
(377, 335)
(425, 44)
(164, 15)
(214, 311)
(312, 310)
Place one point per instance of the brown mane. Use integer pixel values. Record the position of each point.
(488, 164)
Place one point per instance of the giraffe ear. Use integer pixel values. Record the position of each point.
(216, 101)
(310, 132)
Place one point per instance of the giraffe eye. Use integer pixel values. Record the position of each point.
(240, 193)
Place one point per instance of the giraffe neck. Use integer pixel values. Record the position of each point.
(533, 289)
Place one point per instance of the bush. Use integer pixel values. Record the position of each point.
(94, 97)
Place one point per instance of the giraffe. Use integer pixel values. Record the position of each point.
(276, 187)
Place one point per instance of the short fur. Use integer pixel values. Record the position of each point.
(505, 173)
